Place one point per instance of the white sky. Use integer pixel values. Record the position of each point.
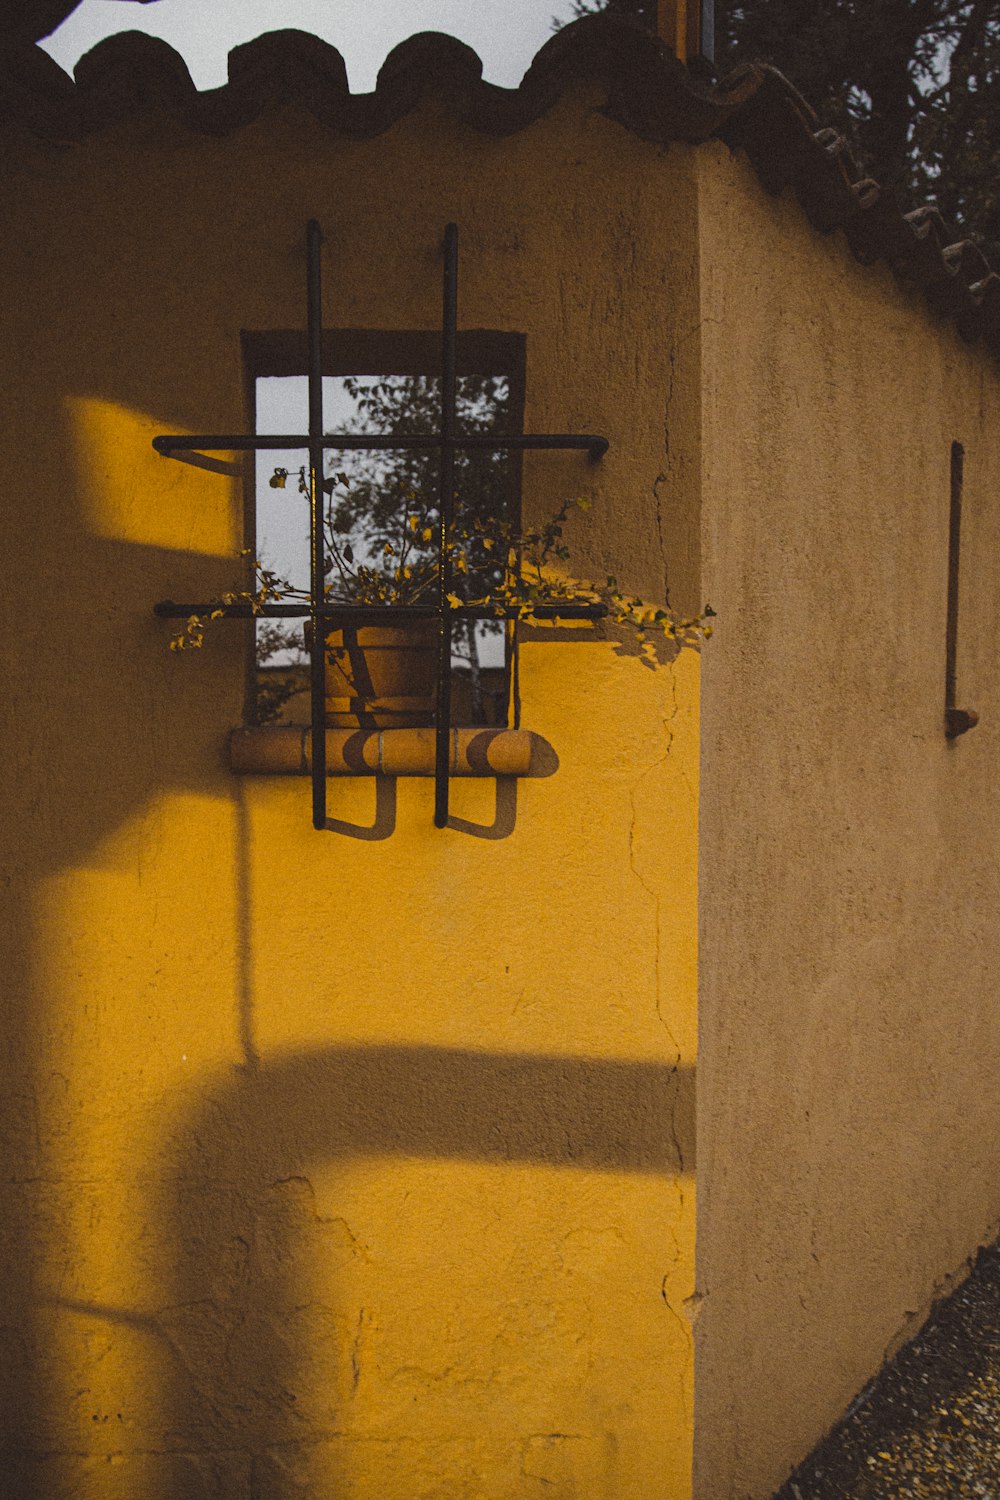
(283, 515)
(505, 33)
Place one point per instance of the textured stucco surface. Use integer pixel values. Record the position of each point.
(848, 1134)
(357, 1163)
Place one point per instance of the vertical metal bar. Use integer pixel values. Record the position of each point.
(449, 336)
(954, 557)
(956, 720)
(317, 649)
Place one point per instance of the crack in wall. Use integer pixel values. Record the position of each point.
(684, 1322)
(658, 484)
(332, 1221)
(365, 1320)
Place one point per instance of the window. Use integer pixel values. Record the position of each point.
(381, 506)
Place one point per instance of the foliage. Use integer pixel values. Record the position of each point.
(515, 572)
(376, 487)
(914, 85)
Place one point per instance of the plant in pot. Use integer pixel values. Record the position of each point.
(383, 673)
(382, 536)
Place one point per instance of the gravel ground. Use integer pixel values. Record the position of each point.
(928, 1426)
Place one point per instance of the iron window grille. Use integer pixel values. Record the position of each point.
(447, 440)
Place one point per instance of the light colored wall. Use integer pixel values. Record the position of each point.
(848, 1132)
(339, 1164)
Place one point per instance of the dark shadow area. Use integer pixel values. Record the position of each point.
(98, 728)
(383, 824)
(506, 814)
(231, 468)
(102, 718)
(314, 1107)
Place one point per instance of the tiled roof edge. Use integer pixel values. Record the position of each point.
(781, 135)
(649, 93)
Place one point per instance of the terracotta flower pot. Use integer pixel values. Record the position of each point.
(381, 676)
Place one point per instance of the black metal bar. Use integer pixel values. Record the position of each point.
(217, 442)
(954, 553)
(446, 506)
(317, 641)
(956, 720)
(345, 441)
(169, 609)
(595, 446)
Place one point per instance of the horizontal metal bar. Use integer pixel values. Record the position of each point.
(596, 446)
(168, 609)
(342, 441)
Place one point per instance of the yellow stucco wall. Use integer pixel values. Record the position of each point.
(848, 1133)
(353, 1164)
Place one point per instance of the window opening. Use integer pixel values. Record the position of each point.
(447, 441)
(381, 519)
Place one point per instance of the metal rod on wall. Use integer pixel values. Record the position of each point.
(317, 644)
(957, 720)
(345, 441)
(446, 502)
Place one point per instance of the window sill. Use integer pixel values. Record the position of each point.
(285, 750)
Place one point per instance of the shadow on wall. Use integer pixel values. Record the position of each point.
(95, 730)
(78, 754)
(383, 824)
(228, 1231)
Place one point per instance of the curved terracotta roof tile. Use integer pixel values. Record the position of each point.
(755, 109)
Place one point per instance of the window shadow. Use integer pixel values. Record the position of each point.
(253, 1137)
